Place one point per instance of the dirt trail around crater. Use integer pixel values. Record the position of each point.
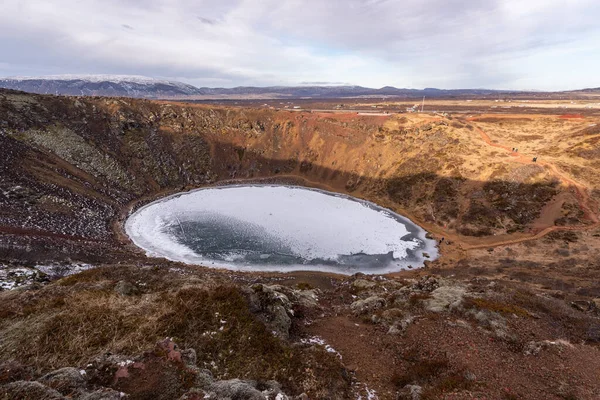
(585, 202)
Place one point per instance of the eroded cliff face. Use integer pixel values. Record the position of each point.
(71, 165)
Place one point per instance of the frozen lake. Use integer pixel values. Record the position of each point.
(278, 228)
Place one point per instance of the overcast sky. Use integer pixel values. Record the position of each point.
(501, 44)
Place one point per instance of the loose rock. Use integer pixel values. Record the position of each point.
(65, 380)
(363, 284)
(445, 298)
(29, 390)
(370, 304)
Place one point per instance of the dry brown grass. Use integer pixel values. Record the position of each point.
(451, 382)
(436, 374)
(416, 299)
(560, 319)
(70, 327)
(421, 371)
(74, 320)
(304, 286)
(495, 306)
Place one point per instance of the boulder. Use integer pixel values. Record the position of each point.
(445, 298)
(363, 284)
(410, 392)
(367, 305)
(65, 380)
(204, 378)
(102, 369)
(533, 348)
(401, 326)
(306, 298)
(235, 389)
(426, 284)
(400, 297)
(28, 390)
(188, 356)
(279, 321)
(272, 306)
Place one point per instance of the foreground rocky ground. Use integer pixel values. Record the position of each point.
(509, 311)
(160, 332)
(113, 333)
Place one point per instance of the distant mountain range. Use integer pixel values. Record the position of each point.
(143, 87)
(588, 90)
(100, 85)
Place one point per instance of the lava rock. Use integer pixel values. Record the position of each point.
(188, 356)
(235, 389)
(272, 307)
(29, 390)
(363, 284)
(370, 304)
(104, 394)
(426, 284)
(445, 298)
(410, 392)
(65, 380)
(204, 378)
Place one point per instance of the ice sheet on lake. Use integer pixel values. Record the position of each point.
(313, 225)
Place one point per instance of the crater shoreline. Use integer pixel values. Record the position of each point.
(410, 252)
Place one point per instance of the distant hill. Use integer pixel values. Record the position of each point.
(588, 91)
(337, 92)
(100, 85)
(143, 87)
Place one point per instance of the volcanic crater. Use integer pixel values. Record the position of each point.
(514, 290)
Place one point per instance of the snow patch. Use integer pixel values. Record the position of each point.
(369, 394)
(126, 363)
(138, 79)
(56, 271)
(320, 342)
(12, 277)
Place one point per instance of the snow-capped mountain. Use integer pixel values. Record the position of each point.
(100, 85)
(150, 88)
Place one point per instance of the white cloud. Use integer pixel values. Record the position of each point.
(410, 43)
